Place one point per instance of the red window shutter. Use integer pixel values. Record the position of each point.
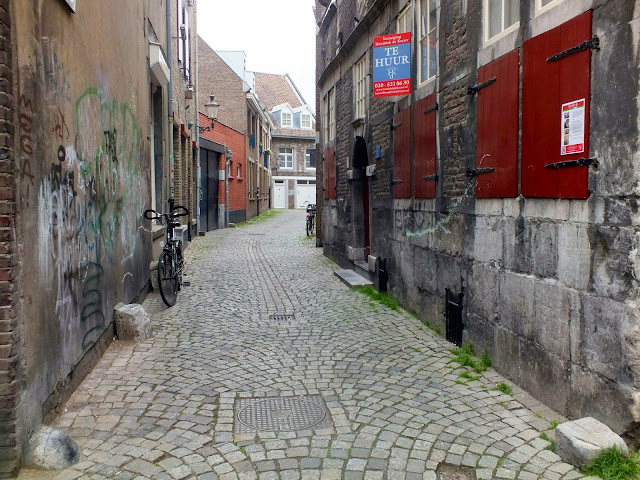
(329, 174)
(497, 135)
(546, 87)
(424, 147)
(402, 154)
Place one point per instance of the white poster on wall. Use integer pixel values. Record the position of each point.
(72, 5)
(572, 127)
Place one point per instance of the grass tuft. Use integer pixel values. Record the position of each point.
(437, 330)
(380, 297)
(503, 387)
(612, 464)
(552, 444)
(465, 356)
(468, 376)
(260, 218)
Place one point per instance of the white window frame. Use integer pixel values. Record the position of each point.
(430, 28)
(360, 86)
(302, 118)
(280, 153)
(307, 156)
(540, 9)
(239, 171)
(325, 118)
(332, 113)
(288, 124)
(487, 21)
(404, 22)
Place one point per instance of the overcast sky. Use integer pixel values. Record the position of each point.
(278, 36)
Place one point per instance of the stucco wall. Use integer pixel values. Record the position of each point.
(84, 159)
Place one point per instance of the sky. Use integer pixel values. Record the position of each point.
(278, 36)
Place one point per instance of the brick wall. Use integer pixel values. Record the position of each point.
(344, 116)
(299, 148)
(217, 78)
(10, 333)
(234, 140)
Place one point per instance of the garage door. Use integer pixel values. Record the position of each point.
(305, 193)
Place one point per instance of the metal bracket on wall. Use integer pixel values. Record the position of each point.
(431, 177)
(472, 172)
(593, 44)
(431, 109)
(395, 126)
(472, 90)
(395, 181)
(581, 162)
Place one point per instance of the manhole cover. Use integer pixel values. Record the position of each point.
(280, 414)
(282, 318)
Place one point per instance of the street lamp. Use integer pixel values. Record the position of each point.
(211, 110)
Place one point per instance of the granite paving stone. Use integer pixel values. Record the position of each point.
(264, 317)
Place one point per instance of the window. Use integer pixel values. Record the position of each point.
(229, 169)
(310, 159)
(285, 157)
(501, 16)
(405, 18)
(544, 5)
(286, 119)
(332, 113)
(360, 70)
(239, 171)
(305, 121)
(428, 39)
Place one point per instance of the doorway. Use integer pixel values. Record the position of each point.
(208, 190)
(279, 194)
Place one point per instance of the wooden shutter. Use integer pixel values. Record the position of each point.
(497, 134)
(329, 174)
(547, 85)
(402, 154)
(424, 147)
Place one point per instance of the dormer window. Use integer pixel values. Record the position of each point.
(287, 121)
(305, 121)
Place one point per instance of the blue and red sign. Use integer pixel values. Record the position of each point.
(392, 65)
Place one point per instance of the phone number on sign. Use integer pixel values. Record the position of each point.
(392, 83)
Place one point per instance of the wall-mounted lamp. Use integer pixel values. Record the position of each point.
(211, 110)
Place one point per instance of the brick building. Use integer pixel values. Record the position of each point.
(499, 196)
(87, 143)
(293, 142)
(224, 74)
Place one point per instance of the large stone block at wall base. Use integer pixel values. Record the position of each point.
(579, 442)
(51, 449)
(484, 292)
(132, 322)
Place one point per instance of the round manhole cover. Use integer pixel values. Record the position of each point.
(281, 414)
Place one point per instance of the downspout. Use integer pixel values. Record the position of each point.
(197, 130)
(227, 159)
(170, 96)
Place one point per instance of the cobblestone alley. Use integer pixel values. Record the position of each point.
(356, 390)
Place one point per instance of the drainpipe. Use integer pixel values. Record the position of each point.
(227, 160)
(170, 94)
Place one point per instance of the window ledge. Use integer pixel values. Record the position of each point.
(358, 122)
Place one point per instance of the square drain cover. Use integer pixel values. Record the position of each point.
(280, 414)
(282, 317)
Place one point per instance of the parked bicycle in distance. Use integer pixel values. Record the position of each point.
(171, 261)
(311, 219)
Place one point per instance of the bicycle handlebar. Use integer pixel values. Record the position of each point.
(153, 215)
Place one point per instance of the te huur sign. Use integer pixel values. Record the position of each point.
(392, 65)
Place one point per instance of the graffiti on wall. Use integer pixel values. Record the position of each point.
(88, 209)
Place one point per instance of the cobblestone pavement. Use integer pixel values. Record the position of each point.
(375, 391)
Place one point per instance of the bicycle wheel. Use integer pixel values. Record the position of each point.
(308, 227)
(167, 281)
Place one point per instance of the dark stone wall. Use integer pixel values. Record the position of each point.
(549, 285)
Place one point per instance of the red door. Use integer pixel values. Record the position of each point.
(548, 84)
(497, 135)
(425, 149)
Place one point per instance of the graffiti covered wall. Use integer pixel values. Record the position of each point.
(84, 174)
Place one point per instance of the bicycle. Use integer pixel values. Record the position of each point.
(311, 219)
(171, 261)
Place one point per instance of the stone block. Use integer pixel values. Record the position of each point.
(489, 206)
(554, 309)
(479, 332)
(484, 292)
(580, 441)
(516, 303)
(507, 349)
(51, 449)
(574, 255)
(546, 208)
(487, 240)
(425, 269)
(612, 266)
(132, 322)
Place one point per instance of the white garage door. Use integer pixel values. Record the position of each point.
(305, 192)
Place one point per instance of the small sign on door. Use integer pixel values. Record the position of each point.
(572, 127)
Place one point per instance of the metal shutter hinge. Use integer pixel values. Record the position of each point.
(395, 181)
(581, 162)
(472, 172)
(593, 44)
(472, 90)
(431, 177)
(431, 109)
(395, 126)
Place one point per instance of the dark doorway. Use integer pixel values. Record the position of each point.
(360, 162)
(158, 141)
(208, 190)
